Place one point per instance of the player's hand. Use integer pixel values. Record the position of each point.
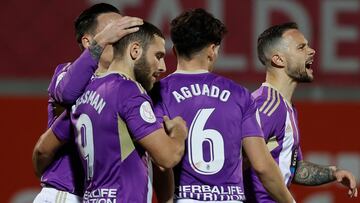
(347, 179)
(117, 29)
(177, 124)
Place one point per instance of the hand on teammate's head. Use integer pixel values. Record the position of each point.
(117, 29)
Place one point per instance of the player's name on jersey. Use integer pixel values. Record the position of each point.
(100, 195)
(210, 193)
(201, 89)
(92, 98)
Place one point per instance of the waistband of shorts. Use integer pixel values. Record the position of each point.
(61, 195)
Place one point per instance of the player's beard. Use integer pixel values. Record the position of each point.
(299, 75)
(142, 72)
(303, 77)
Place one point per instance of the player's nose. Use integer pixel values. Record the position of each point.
(162, 66)
(311, 51)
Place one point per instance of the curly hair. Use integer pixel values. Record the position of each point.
(193, 30)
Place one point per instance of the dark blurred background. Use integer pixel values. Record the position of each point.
(37, 35)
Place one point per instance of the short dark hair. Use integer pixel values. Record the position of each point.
(270, 37)
(193, 30)
(86, 22)
(144, 36)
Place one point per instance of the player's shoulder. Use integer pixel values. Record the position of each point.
(173, 77)
(269, 101)
(121, 83)
(233, 86)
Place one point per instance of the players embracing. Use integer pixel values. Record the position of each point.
(207, 118)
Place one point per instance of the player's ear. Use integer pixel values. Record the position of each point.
(212, 52)
(135, 50)
(86, 40)
(277, 60)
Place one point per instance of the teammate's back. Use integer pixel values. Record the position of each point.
(216, 111)
(115, 167)
(221, 117)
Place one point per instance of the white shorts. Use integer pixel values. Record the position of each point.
(197, 201)
(52, 195)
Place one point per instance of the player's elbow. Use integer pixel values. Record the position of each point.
(67, 99)
(41, 157)
(39, 154)
(267, 169)
(261, 170)
(65, 96)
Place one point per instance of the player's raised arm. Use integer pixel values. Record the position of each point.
(266, 168)
(313, 174)
(166, 146)
(79, 73)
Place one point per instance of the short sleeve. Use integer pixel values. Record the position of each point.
(271, 124)
(267, 125)
(159, 108)
(62, 127)
(250, 121)
(139, 116)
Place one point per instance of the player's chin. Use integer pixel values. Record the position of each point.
(305, 77)
(150, 84)
(310, 75)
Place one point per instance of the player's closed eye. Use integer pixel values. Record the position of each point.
(159, 56)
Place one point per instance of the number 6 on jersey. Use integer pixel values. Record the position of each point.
(197, 136)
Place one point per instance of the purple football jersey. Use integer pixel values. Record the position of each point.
(54, 107)
(109, 121)
(278, 119)
(68, 87)
(65, 172)
(219, 114)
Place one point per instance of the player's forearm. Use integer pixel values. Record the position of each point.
(312, 174)
(177, 146)
(273, 182)
(266, 168)
(96, 47)
(72, 85)
(44, 151)
(169, 156)
(41, 161)
(165, 151)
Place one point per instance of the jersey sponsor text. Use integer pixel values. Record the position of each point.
(210, 193)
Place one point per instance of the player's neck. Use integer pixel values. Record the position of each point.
(192, 65)
(101, 70)
(121, 66)
(282, 82)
